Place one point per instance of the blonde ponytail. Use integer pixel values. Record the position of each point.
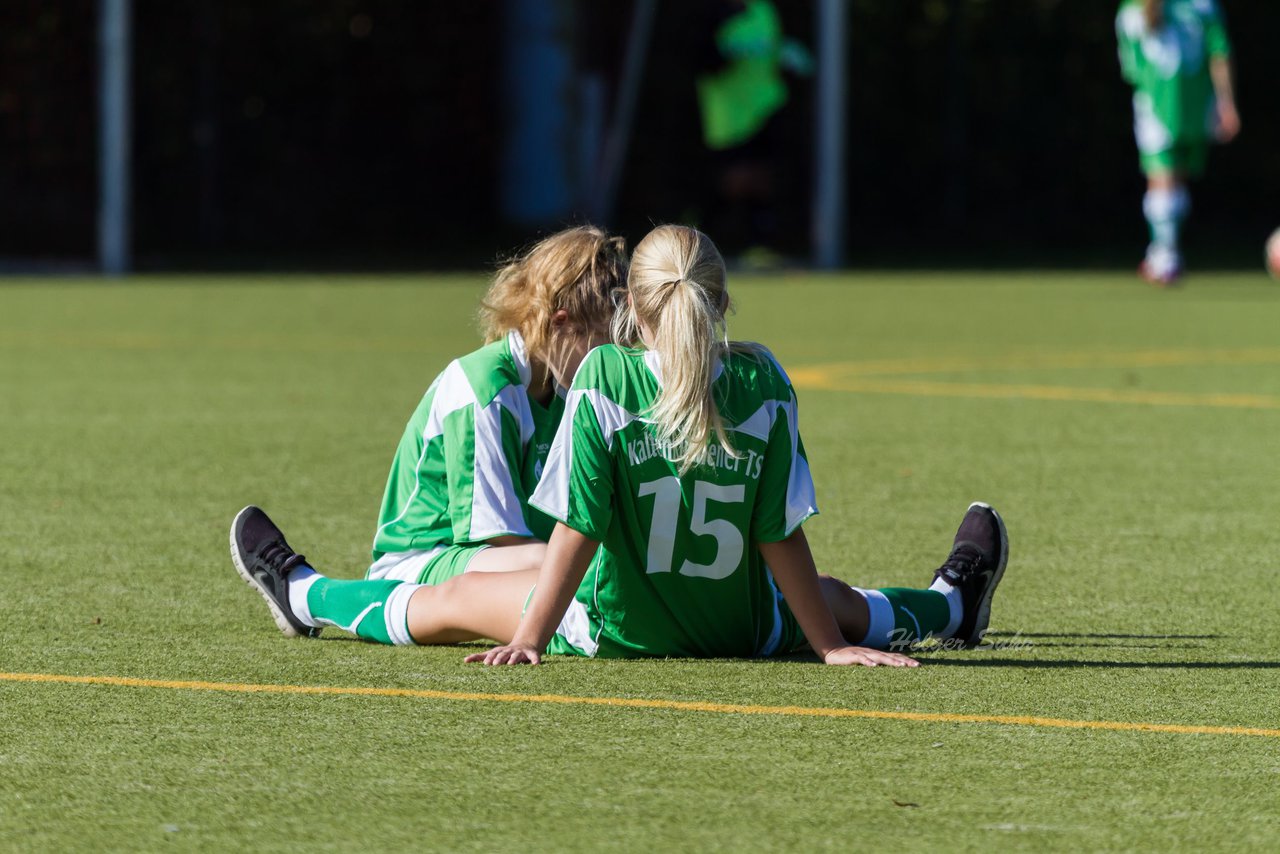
(677, 290)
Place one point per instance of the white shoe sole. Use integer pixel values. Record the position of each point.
(282, 622)
(983, 619)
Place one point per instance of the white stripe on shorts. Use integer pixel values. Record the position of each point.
(403, 566)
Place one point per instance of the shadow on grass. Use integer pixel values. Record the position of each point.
(1095, 640)
(1006, 641)
(1098, 635)
(1119, 665)
(1040, 645)
(1001, 641)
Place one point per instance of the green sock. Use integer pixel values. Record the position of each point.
(375, 610)
(900, 616)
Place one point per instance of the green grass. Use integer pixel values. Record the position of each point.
(136, 418)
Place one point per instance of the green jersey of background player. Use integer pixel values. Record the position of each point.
(1176, 55)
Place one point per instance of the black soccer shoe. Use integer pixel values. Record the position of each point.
(264, 560)
(975, 566)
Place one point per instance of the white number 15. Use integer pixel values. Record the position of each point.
(666, 513)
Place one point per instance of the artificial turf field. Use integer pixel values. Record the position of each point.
(1130, 437)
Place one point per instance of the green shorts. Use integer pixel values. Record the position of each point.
(578, 634)
(790, 636)
(1183, 158)
(428, 566)
(574, 634)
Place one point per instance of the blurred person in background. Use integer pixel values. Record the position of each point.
(741, 92)
(1177, 57)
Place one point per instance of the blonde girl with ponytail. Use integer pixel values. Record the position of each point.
(679, 485)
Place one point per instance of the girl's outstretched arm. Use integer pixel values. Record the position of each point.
(1224, 89)
(792, 566)
(568, 555)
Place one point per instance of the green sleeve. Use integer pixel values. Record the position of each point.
(482, 451)
(785, 497)
(1128, 49)
(577, 484)
(1216, 42)
(458, 451)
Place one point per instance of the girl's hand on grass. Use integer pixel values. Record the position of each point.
(867, 657)
(512, 653)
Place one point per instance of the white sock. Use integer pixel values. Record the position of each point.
(954, 603)
(396, 614)
(300, 581)
(879, 619)
(1165, 209)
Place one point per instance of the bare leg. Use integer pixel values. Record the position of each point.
(1163, 180)
(509, 558)
(849, 608)
(469, 606)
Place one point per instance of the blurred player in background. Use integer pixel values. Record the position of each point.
(457, 496)
(1176, 55)
(679, 484)
(741, 92)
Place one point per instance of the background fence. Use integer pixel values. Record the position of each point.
(372, 132)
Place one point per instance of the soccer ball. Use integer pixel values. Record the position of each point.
(1273, 254)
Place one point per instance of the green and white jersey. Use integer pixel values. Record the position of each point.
(1173, 100)
(678, 572)
(470, 456)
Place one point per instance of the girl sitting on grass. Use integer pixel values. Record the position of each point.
(456, 497)
(679, 484)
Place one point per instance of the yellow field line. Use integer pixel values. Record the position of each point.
(814, 380)
(1050, 361)
(146, 342)
(632, 703)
